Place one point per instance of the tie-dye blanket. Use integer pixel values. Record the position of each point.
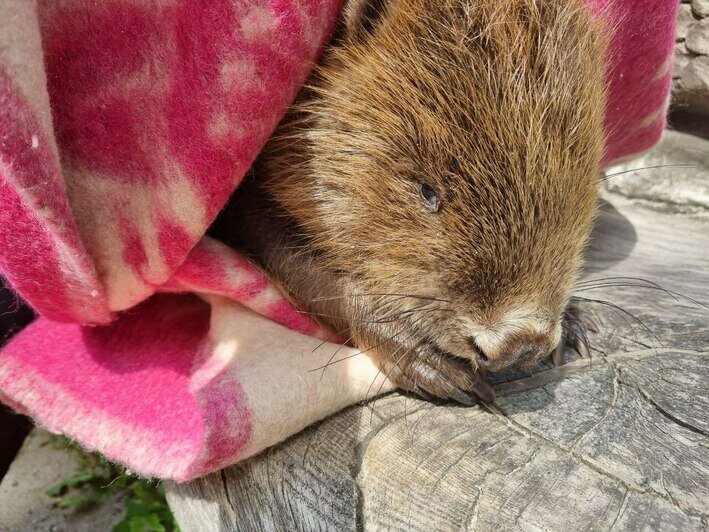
(125, 125)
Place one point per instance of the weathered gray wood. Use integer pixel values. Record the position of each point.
(620, 442)
(410, 465)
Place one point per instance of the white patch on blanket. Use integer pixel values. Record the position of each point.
(280, 372)
(259, 24)
(100, 203)
(21, 55)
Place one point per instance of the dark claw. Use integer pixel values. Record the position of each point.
(417, 390)
(589, 325)
(575, 335)
(409, 386)
(581, 348)
(431, 374)
(558, 356)
(484, 391)
(462, 397)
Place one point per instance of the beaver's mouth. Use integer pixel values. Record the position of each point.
(523, 361)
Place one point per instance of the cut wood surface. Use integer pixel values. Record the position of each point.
(620, 442)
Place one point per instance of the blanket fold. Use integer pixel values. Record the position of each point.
(125, 125)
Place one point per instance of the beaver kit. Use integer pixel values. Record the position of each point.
(429, 195)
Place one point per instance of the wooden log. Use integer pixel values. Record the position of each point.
(405, 464)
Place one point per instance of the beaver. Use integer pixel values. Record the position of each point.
(430, 193)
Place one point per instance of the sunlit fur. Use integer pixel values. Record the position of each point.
(496, 104)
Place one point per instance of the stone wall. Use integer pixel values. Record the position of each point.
(691, 76)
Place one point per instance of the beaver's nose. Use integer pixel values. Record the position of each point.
(519, 355)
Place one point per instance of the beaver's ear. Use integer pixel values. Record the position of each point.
(361, 17)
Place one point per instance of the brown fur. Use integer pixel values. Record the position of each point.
(498, 106)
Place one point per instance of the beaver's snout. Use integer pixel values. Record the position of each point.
(517, 352)
(524, 355)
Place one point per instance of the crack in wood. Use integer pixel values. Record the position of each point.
(222, 475)
(662, 411)
(623, 505)
(611, 406)
(522, 466)
(460, 458)
(359, 457)
(472, 512)
(667, 414)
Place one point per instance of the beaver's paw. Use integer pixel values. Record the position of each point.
(429, 372)
(575, 329)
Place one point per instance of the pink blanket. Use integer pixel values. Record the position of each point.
(125, 125)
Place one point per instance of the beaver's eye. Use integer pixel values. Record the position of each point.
(429, 196)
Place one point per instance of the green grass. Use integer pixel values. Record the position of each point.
(98, 479)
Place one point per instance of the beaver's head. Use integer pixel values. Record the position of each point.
(451, 153)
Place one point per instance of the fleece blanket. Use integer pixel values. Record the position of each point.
(125, 125)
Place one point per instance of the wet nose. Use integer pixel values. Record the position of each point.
(519, 355)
